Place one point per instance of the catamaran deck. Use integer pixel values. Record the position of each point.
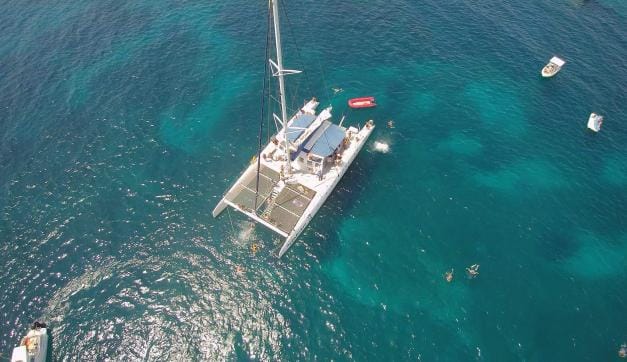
(286, 203)
(243, 194)
(282, 210)
(290, 204)
(282, 204)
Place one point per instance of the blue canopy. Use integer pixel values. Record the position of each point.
(325, 140)
(298, 126)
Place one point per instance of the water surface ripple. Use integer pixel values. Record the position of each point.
(122, 124)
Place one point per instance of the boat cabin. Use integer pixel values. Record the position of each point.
(299, 125)
(321, 147)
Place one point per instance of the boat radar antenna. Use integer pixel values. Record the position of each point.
(278, 71)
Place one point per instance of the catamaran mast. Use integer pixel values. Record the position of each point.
(280, 72)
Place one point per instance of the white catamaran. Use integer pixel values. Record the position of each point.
(296, 171)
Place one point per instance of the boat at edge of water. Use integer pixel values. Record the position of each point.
(553, 67)
(595, 121)
(289, 180)
(34, 346)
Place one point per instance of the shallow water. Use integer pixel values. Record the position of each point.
(123, 125)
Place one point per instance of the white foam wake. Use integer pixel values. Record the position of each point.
(381, 147)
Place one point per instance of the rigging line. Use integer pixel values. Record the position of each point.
(289, 109)
(263, 107)
(273, 98)
(293, 110)
(270, 109)
(268, 135)
(293, 91)
(324, 82)
(300, 58)
(295, 96)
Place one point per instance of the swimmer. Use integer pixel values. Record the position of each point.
(390, 124)
(254, 248)
(472, 271)
(448, 276)
(337, 90)
(622, 352)
(239, 270)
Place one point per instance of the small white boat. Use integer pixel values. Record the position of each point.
(553, 66)
(595, 121)
(34, 345)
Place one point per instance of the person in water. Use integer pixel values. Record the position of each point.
(473, 271)
(448, 276)
(622, 352)
(390, 124)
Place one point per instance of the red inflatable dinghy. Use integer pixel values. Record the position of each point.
(362, 102)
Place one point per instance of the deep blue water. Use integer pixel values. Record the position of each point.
(122, 124)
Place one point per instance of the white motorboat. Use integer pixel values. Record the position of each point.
(595, 121)
(292, 176)
(552, 67)
(34, 345)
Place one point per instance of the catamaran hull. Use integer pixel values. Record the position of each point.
(219, 208)
(320, 198)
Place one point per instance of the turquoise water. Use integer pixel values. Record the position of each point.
(123, 124)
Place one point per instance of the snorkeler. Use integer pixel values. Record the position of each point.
(448, 276)
(472, 271)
